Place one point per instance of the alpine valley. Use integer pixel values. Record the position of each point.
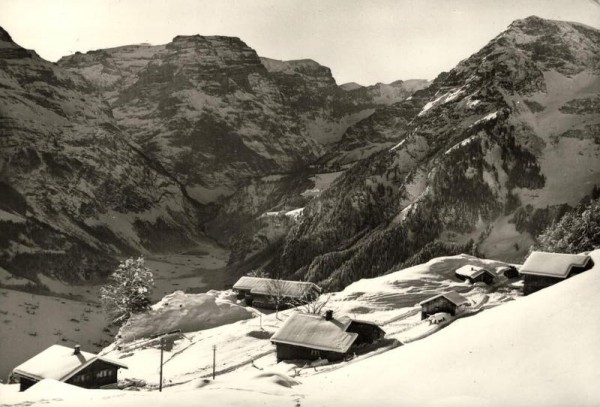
(200, 146)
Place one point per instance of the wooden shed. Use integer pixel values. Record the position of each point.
(509, 272)
(311, 337)
(69, 365)
(450, 302)
(262, 292)
(475, 274)
(542, 269)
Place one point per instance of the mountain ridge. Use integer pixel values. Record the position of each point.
(474, 147)
(470, 160)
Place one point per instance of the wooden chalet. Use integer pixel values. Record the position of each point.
(542, 269)
(262, 292)
(450, 302)
(306, 336)
(475, 274)
(68, 365)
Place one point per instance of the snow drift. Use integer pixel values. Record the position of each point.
(187, 312)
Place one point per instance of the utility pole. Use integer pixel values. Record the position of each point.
(214, 359)
(162, 343)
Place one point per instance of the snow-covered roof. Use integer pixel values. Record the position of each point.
(451, 296)
(316, 332)
(553, 264)
(472, 271)
(266, 286)
(502, 269)
(59, 363)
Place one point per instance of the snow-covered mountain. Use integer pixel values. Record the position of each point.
(141, 148)
(127, 149)
(204, 107)
(215, 115)
(485, 155)
(75, 190)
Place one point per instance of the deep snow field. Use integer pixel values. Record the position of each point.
(538, 350)
(73, 314)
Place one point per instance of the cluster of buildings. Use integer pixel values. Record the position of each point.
(307, 336)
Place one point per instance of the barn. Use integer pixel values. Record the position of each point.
(69, 365)
(263, 292)
(450, 302)
(475, 274)
(306, 336)
(542, 269)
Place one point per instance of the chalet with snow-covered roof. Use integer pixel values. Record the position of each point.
(261, 292)
(450, 302)
(475, 274)
(69, 365)
(311, 337)
(542, 269)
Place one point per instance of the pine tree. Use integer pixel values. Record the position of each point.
(128, 290)
(577, 231)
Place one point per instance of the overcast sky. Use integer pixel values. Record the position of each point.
(364, 41)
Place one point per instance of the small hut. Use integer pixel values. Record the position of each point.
(450, 302)
(475, 274)
(542, 269)
(69, 365)
(306, 336)
(269, 293)
(509, 272)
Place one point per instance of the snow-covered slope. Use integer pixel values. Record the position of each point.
(539, 350)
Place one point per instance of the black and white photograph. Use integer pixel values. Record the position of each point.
(302, 203)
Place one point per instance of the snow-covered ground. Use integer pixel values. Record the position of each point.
(32, 322)
(539, 350)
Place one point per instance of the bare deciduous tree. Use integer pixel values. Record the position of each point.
(313, 307)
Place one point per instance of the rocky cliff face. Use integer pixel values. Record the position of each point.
(479, 159)
(215, 115)
(325, 109)
(75, 190)
(205, 108)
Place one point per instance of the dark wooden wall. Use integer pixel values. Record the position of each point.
(487, 278)
(92, 378)
(440, 304)
(367, 333)
(25, 383)
(532, 284)
(292, 352)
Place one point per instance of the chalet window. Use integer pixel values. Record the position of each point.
(79, 378)
(314, 352)
(103, 373)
